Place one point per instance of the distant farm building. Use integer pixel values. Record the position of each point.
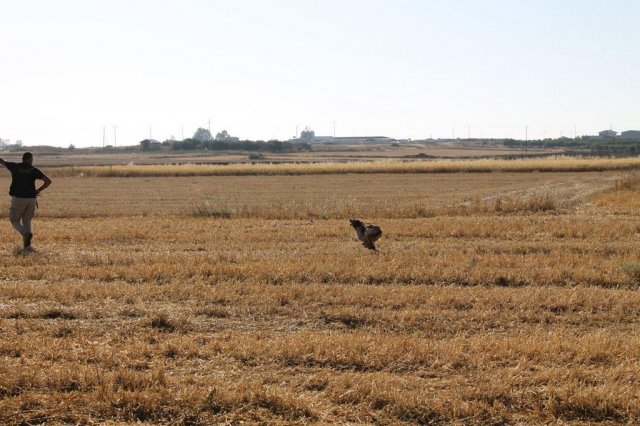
(630, 134)
(608, 134)
(362, 139)
(150, 145)
(309, 136)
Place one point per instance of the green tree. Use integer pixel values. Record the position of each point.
(222, 136)
(202, 135)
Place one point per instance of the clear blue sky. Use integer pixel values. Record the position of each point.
(403, 68)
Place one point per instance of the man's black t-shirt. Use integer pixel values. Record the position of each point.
(23, 179)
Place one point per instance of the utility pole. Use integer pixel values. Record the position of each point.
(182, 131)
(115, 139)
(468, 131)
(209, 126)
(526, 139)
(334, 130)
(150, 133)
(104, 134)
(453, 132)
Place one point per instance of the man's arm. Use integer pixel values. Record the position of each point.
(44, 186)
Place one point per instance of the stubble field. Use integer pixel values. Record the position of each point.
(495, 298)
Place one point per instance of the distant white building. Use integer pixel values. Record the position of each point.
(309, 136)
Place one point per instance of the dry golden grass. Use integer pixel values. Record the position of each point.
(548, 164)
(321, 152)
(623, 197)
(514, 300)
(315, 196)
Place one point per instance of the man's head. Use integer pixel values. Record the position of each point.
(27, 158)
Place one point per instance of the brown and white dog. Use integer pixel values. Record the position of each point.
(368, 234)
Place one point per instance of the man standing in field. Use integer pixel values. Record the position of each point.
(23, 194)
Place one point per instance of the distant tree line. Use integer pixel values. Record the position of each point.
(246, 145)
(202, 139)
(6, 144)
(587, 144)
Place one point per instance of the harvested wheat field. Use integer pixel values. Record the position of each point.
(495, 298)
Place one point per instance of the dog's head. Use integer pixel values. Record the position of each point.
(356, 223)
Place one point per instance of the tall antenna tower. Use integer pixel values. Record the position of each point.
(104, 134)
(115, 139)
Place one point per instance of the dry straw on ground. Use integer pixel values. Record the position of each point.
(547, 164)
(513, 301)
(317, 196)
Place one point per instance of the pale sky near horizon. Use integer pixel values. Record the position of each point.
(259, 69)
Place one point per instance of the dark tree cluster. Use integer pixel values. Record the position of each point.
(250, 146)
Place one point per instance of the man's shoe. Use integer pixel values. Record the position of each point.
(27, 239)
